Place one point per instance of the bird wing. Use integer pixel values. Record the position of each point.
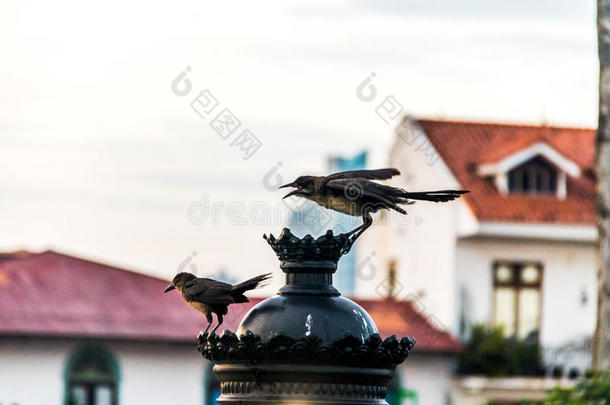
(208, 291)
(364, 190)
(378, 174)
(212, 282)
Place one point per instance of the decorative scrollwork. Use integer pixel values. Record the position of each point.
(313, 389)
(349, 351)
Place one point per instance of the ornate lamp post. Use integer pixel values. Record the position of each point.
(307, 345)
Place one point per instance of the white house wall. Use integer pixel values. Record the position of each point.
(160, 374)
(417, 240)
(569, 277)
(31, 372)
(429, 376)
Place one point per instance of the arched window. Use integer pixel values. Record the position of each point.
(91, 377)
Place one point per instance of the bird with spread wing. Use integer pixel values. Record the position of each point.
(356, 193)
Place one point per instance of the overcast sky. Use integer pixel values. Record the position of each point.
(100, 158)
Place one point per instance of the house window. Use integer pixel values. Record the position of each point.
(91, 377)
(536, 176)
(517, 298)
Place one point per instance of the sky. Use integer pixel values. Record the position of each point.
(103, 156)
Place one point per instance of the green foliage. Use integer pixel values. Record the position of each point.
(490, 353)
(594, 390)
(71, 400)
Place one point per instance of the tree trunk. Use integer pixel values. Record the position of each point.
(601, 346)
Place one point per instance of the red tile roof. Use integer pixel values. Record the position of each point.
(52, 294)
(465, 145)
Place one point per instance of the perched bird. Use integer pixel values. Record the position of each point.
(355, 193)
(210, 296)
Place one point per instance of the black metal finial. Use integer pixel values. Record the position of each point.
(328, 247)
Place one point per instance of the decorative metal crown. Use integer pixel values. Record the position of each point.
(290, 248)
(349, 351)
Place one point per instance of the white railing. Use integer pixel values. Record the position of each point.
(567, 358)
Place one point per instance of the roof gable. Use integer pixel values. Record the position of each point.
(464, 145)
(517, 158)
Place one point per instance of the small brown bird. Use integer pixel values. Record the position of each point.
(354, 193)
(210, 296)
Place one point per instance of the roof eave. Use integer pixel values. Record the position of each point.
(527, 230)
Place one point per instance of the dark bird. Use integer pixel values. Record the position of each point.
(355, 193)
(210, 296)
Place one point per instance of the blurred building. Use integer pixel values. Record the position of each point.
(76, 332)
(518, 251)
(343, 279)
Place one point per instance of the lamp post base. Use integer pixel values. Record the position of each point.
(301, 384)
(307, 345)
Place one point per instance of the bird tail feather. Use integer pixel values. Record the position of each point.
(238, 289)
(435, 196)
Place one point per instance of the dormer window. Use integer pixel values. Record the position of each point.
(536, 170)
(536, 176)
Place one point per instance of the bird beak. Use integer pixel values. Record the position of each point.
(293, 192)
(169, 288)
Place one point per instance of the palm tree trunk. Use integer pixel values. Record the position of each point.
(601, 341)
